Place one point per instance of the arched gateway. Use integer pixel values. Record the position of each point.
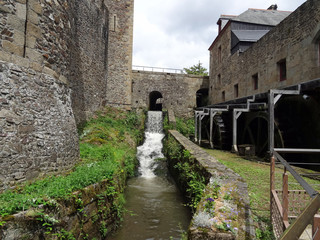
(155, 101)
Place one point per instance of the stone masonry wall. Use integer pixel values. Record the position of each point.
(178, 90)
(295, 39)
(60, 62)
(120, 40)
(88, 59)
(101, 55)
(37, 128)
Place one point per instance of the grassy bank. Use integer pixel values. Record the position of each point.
(107, 148)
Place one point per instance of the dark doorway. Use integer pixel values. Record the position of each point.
(155, 101)
(202, 97)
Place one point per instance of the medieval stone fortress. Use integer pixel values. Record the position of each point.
(60, 61)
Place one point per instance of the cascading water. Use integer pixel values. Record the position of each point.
(152, 146)
(155, 204)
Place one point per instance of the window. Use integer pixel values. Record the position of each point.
(219, 78)
(282, 66)
(319, 52)
(223, 96)
(255, 84)
(236, 90)
(219, 54)
(113, 23)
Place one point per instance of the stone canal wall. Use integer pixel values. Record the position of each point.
(231, 213)
(92, 213)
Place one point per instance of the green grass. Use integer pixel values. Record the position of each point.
(107, 146)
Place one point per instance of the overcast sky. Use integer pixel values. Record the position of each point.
(178, 33)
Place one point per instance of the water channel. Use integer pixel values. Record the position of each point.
(156, 209)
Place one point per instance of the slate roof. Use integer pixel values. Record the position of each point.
(264, 17)
(249, 35)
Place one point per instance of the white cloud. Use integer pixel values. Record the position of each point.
(178, 33)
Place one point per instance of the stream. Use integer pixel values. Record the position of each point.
(155, 206)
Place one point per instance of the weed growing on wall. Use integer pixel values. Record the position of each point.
(188, 175)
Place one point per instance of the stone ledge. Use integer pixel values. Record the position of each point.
(212, 167)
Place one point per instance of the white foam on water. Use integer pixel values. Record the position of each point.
(152, 146)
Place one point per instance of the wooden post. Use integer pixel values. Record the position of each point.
(272, 185)
(272, 173)
(316, 227)
(285, 198)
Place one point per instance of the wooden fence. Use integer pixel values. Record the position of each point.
(293, 210)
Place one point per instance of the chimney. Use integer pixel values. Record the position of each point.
(273, 7)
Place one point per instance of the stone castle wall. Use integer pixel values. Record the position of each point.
(296, 39)
(120, 53)
(37, 127)
(178, 90)
(59, 62)
(101, 55)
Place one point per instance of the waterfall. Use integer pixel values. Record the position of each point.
(152, 146)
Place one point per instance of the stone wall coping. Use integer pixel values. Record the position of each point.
(213, 166)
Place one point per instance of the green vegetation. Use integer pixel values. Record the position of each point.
(107, 150)
(197, 69)
(183, 125)
(187, 173)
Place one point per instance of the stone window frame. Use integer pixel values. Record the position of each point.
(223, 96)
(282, 69)
(318, 53)
(113, 22)
(255, 81)
(219, 79)
(236, 90)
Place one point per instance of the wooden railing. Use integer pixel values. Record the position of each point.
(293, 210)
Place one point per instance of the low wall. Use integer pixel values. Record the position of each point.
(91, 213)
(231, 217)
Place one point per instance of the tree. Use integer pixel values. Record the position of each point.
(197, 69)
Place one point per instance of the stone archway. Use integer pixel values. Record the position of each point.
(155, 101)
(202, 97)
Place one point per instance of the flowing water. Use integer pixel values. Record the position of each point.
(156, 209)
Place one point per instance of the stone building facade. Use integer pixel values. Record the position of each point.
(59, 62)
(174, 91)
(287, 55)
